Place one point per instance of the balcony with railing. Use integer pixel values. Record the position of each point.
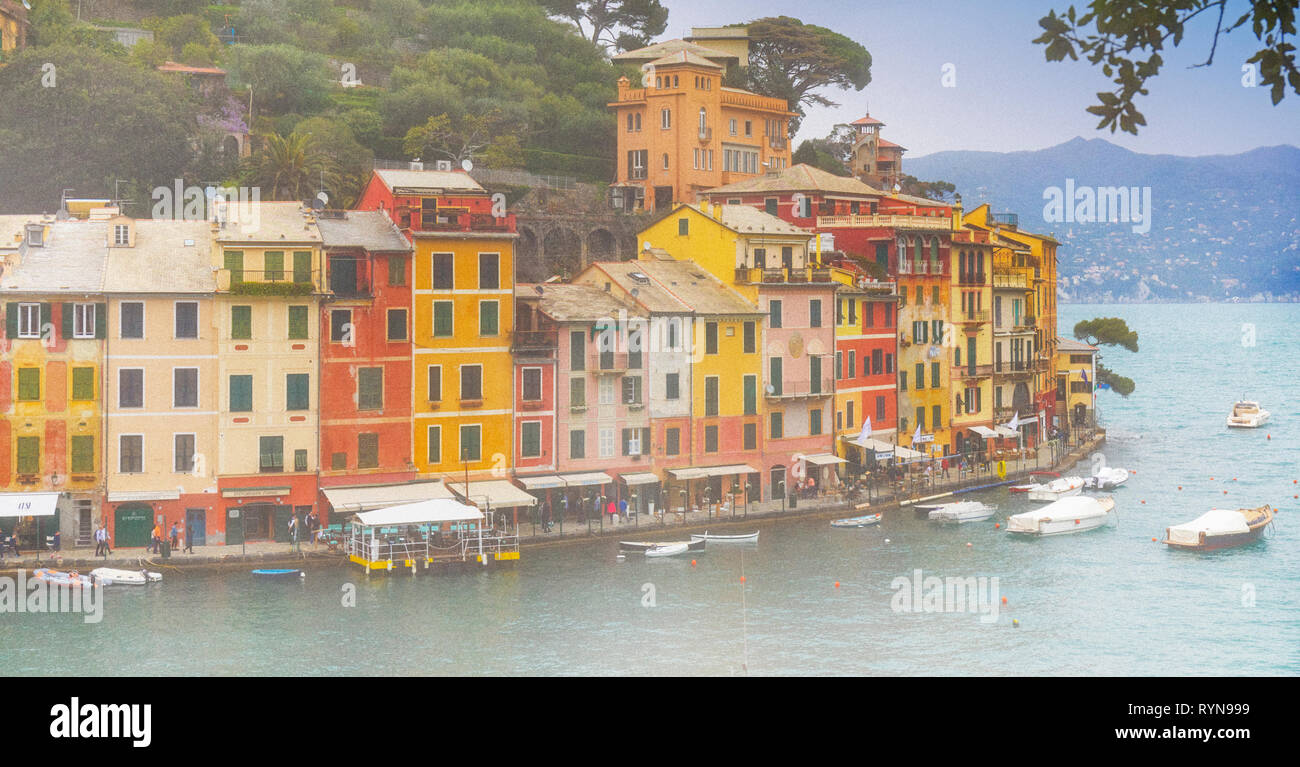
(466, 222)
(783, 276)
(1015, 280)
(968, 372)
(706, 134)
(900, 221)
(922, 267)
(777, 142)
(972, 317)
(1014, 369)
(732, 97)
(274, 282)
(972, 278)
(613, 363)
(793, 390)
(533, 343)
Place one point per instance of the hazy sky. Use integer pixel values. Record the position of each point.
(1007, 96)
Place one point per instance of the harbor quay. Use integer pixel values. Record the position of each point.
(574, 530)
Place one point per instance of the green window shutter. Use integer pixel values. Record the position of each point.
(370, 388)
(83, 384)
(396, 271)
(435, 445)
(271, 453)
(273, 260)
(65, 315)
(101, 321)
(367, 450)
(83, 455)
(442, 322)
(241, 322)
(29, 384)
(47, 316)
(297, 322)
(297, 396)
(487, 318)
(241, 394)
(29, 455)
(235, 265)
(302, 266)
(471, 443)
(11, 320)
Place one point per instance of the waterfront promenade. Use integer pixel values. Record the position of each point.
(719, 517)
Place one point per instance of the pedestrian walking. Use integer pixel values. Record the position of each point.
(622, 509)
(313, 527)
(156, 538)
(189, 538)
(176, 536)
(101, 541)
(293, 530)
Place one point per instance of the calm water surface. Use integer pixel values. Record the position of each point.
(1108, 601)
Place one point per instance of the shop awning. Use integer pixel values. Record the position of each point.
(823, 459)
(687, 473)
(438, 510)
(897, 451)
(984, 431)
(546, 482)
(28, 504)
(355, 499)
(727, 471)
(639, 479)
(497, 493)
(588, 478)
(1007, 431)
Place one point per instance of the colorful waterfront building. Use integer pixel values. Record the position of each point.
(269, 269)
(922, 247)
(972, 341)
(162, 381)
(866, 353)
(1015, 366)
(366, 361)
(682, 132)
(52, 379)
(534, 347)
(1076, 371)
(462, 317)
(1042, 260)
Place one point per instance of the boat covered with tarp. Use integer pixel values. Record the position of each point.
(1220, 529)
(1068, 515)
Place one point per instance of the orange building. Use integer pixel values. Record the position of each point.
(684, 132)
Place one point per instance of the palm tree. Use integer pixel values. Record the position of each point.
(289, 167)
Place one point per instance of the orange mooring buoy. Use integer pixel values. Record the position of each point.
(1004, 600)
(837, 584)
(1153, 540)
(742, 579)
(692, 563)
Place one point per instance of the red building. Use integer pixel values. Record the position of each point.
(533, 348)
(365, 331)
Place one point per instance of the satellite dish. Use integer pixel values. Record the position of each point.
(323, 197)
(769, 389)
(467, 164)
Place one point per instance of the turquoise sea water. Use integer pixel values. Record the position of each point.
(1109, 601)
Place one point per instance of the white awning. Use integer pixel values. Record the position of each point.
(497, 493)
(144, 495)
(823, 459)
(346, 499)
(541, 483)
(687, 473)
(984, 431)
(639, 479)
(438, 510)
(727, 471)
(28, 504)
(876, 445)
(588, 478)
(1007, 431)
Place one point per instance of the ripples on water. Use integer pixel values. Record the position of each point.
(1108, 601)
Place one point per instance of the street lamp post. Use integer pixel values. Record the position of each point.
(781, 484)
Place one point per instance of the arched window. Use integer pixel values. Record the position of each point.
(903, 265)
(703, 118)
(665, 161)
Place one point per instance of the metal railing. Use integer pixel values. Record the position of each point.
(936, 223)
(801, 389)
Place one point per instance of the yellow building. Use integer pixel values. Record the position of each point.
(926, 273)
(51, 377)
(972, 337)
(267, 308)
(1076, 372)
(163, 390)
(13, 26)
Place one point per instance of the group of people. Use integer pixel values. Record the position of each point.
(310, 527)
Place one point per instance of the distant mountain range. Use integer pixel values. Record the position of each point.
(1221, 227)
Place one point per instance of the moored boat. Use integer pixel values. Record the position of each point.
(862, 521)
(667, 549)
(110, 576)
(644, 546)
(1027, 487)
(962, 511)
(1068, 515)
(1247, 414)
(1220, 529)
(1106, 478)
(71, 578)
(279, 573)
(716, 538)
(1064, 487)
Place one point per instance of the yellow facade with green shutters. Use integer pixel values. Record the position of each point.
(462, 321)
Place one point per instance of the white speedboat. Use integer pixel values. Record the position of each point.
(862, 521)
(1056, 489)
(962, 511)
(1247, 415)
(111, 576)
(667, 549)
(716, 538)
(1107, 478)
(1068, 515)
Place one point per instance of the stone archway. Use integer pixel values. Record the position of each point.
(528, 258)
(601, 246)
(562, 252)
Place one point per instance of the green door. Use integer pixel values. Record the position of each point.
(132, 524)
(282, 514)
(234, 526)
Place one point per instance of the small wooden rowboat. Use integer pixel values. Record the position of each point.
(667, 550)
(1220, 529)
(716, 538)
(863, 521)
(643, 546)
(279, 573)
(110, 576)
